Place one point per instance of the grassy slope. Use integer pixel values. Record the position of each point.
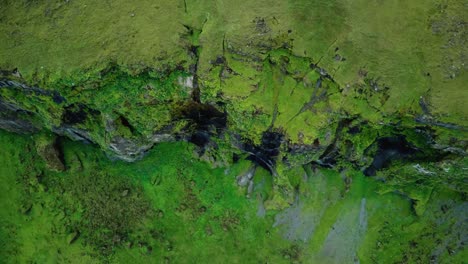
(196, 214)
(398, 42)
(59, 38)
(32, 227)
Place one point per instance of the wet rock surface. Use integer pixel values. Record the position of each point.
(397, 148)
(266, 154)
(18, 126)
(205, 120)
(389, 148)
(15, 119)
(73, 133)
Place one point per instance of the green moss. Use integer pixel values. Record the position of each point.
(102, 210)
(330, 75)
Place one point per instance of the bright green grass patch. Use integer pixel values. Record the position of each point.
(171, 206)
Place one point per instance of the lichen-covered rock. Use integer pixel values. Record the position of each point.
(17, 125)
(49, 148)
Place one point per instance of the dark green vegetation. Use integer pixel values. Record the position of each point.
(227, 132)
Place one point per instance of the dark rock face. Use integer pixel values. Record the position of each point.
(77, 114)
(389, 148)
(73, 133)
(271, 142)
(15, 119)
(6, 106)
(266, 154)
(200, 138)
(17, 126)
(203, 116)
(205, 120)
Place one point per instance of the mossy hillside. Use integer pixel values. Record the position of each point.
(384, 42)
(116, 105)
(418, 241)
(249, 60)
(144, 100)
(33, 228)
(385, 52)
(136, 107)
(333, 77)
(348, 219)
(100, 210)
(168, 212)
(347, 46)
